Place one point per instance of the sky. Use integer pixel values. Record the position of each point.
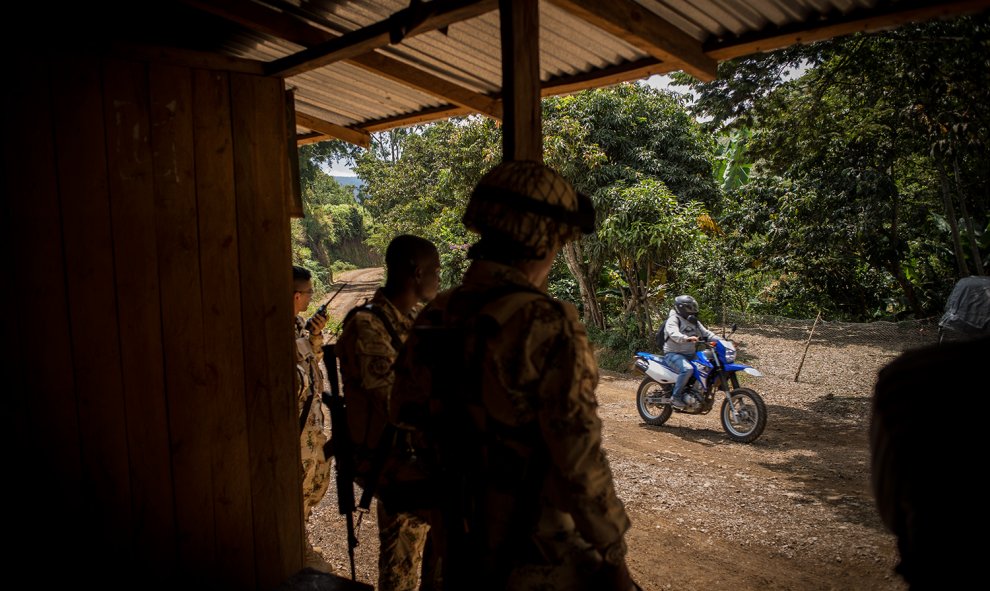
(656, 81)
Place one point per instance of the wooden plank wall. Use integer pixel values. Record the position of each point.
(154, 414)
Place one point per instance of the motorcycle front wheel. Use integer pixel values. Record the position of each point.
(650, 410)
(746, 424)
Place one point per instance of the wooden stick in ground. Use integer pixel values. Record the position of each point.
(806, 345)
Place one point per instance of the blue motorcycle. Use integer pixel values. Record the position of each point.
(743, 412)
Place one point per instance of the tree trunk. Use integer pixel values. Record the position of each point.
(639, 297)
(894, 269)
(968, 220)
(950, 214)
(592, 315)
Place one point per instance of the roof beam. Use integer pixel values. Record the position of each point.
(284, 26)
(522, 135)
(311, 138)
(859, 21)
(417, 19)
(638, 26)
(610, 76)
(355, 136)
(637, 70)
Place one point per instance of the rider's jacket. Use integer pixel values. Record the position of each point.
(678, 330)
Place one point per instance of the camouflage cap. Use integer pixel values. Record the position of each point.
(528, 203)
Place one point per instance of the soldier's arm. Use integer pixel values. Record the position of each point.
(373, 357)
(316, 342)
(572, 430)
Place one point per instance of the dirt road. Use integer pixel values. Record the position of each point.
(355, 287)
(791, 511)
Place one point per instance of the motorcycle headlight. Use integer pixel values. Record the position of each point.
(730, 352)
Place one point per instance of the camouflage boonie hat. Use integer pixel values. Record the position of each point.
(528, 203)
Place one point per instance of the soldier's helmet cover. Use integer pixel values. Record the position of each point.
(528, 203)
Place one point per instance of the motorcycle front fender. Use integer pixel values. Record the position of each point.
(743, 368)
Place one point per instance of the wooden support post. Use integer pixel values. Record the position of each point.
(522, 130)
(808, 344)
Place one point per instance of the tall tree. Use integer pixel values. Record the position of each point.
(885, 136)
(619, 137)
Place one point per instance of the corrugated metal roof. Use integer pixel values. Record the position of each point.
(466, 56)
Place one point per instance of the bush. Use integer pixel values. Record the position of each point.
(616, 346)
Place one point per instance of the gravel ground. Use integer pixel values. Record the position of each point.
(790, 511)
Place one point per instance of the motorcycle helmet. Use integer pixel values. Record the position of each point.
(685, 306)
(530, 205)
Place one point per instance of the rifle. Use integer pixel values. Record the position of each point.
(339, 446)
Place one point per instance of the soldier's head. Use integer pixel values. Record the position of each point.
(524, 210)
(412, 265)
(302, 288)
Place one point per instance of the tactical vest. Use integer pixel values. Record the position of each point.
(485, 465)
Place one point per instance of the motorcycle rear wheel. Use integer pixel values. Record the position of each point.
(750, 418)
(650, 411)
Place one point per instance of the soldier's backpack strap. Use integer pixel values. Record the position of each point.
(369, 489)
(380, 314)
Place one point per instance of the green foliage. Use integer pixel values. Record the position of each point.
(629, 139)
(621, 134)
(616, 346)
(856, 185)
(422, 183)
(331, 235)
(868, 187)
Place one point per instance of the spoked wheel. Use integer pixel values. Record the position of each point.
(652, 411)
(749, 418)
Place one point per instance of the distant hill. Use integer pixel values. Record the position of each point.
(349, 181)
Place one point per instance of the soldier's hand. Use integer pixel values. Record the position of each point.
(316, 323)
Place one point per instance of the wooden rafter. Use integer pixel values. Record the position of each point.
(265, 20)
(640, 27)
(311, 138)
(560, 85)
(358, 137)
(862, 21)
(417, 19)
(610, 76)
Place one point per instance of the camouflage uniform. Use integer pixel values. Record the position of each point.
(366, 353)
(309, 380)
(552, 521)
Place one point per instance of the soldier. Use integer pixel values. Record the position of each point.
(369, 343)
(309, 387)
(498, 380)
(925, 500)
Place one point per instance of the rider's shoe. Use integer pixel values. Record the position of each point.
(678, 402)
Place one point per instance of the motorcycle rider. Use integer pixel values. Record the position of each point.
(681, 331)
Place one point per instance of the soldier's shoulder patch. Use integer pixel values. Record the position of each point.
(379, 366)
